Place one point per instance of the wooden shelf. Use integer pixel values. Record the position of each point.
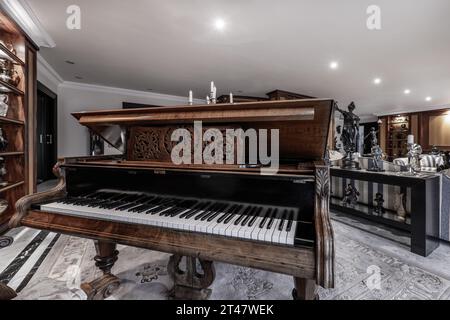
(11, 121)
(5, 87)
(5, 53)
(12, 186)
(13, 153)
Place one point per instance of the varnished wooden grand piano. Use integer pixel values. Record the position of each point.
(199, 213)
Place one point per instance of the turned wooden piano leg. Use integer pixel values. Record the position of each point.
(305, 289)
(6, 293)
(190, 284)
(104, 286)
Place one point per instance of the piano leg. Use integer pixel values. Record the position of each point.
(305, 289)
(190, 284)
(104, 286)
(6, 293)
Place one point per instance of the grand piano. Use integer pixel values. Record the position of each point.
(200, 213)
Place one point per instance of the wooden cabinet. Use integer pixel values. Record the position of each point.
(18, 95)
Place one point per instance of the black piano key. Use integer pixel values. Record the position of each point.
(178, 211)
(227, 212)
(200, 213)
(126, 206)
(185, 205)
(255, 216)
(224, 210)
(283, 217)
(159, 206)
(164, 208)
(266, 217)
(272, 218)
(290, 221)
(215, 213)
(242, 216)
(212, 212)
(175, 207)
(192, 210)
(207, 211)
(248, 216)
(233, 214)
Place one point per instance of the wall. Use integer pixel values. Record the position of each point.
(73, 139)
(46, 75)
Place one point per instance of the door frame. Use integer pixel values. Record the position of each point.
(44, 89)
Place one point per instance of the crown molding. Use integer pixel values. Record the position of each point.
(47, 70)
(22, 13)
(129, 92)
(422, 109)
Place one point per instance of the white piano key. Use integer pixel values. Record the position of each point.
(230, 229)
(276, 233)
(291, 234)
(254, 233)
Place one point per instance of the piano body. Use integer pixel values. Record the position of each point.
(199, 213)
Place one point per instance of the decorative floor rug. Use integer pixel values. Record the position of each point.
(362, 272)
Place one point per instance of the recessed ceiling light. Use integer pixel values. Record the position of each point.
(70, 62)
(219, 24)
(334, 65)
(407, 91)
(377, 81)
(428, 99)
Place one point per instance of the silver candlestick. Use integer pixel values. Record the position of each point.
(414, 152)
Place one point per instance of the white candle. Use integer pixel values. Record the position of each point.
(214, 92)
(212, 86)
(207, 99)
(191, 99)
(231, 97)
(410, 139)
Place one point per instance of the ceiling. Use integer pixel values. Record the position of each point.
(172, 46)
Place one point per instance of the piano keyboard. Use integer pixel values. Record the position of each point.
(276, 225)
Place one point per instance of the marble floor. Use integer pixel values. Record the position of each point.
(371, 263)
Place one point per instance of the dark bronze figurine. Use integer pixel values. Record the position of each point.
(350, 135)
(379, 204)
(351, 195)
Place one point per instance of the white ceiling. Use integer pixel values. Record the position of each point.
(171, 47)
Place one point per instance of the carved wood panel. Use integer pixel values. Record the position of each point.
(155, 144)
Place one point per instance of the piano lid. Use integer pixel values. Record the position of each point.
(303, 124)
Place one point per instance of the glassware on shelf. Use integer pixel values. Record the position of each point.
(3, 172)
(4, 105)
(3, 141)
(8, 73)
(9, 45)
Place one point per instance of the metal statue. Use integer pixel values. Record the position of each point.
(350, 135)
(351, 195)
(379, 200)
(377, 164)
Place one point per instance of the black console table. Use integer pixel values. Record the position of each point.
(425, 199)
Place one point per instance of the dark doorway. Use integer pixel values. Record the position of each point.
(367, 140)
(46, 133)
